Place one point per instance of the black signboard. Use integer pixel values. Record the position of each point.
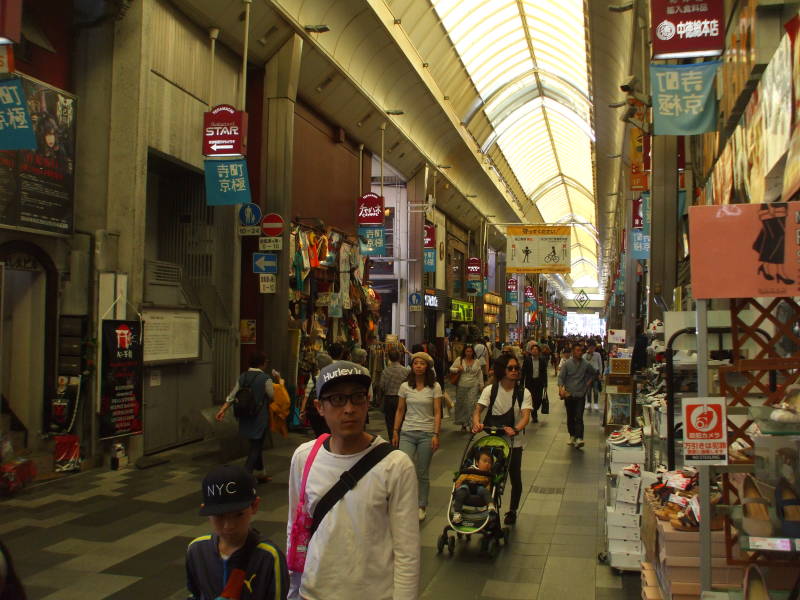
(37, 187)
(121, 384)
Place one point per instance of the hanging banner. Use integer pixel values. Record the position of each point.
(224, 131)
(776, 96)
(639, 176)
(370, 209)
(690, 28)
(538, 249)
(121, 379)
(474, 271)
(227, 182)
(705, 431)
(745, 250)
(372, 241)
(37, 185)
(684, 98)
(640, 236)
(430, 260)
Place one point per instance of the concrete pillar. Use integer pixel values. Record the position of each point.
(664, 222)
(281, 75)
(417, 194)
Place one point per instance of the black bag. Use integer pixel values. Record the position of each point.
(245, 404)
(545, 403)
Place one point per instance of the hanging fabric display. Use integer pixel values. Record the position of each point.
(684, 102)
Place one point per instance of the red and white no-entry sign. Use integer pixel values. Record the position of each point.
(272, 225)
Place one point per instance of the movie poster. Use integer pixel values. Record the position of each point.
(37, 187)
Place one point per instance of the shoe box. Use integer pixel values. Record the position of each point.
(650, 587)
(628, 488)
(675, 543)
(621, 519)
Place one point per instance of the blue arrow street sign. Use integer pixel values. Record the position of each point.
(250, 215)
(265, 263)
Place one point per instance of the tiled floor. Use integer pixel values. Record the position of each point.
(122, 534)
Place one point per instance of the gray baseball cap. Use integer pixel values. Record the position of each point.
(341, 370)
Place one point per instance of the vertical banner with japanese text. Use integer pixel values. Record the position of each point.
(227, 182)
(684, 99)
(121, 379)
(429, 248)
(640, 230)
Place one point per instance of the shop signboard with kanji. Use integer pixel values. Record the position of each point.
(684, 98)
(538, 249)
(705, 431)
(224, 131)
(745, 250)
(372, 241)
(474, 270)
(121, 379)
(37, 161)
(429, 248)
(227, 182)
(640, 229)
(687, 28)
(370, 210)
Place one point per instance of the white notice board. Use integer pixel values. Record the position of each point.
(171, 335)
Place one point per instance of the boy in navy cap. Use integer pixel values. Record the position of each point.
(234, 562)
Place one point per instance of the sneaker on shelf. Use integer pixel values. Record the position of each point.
(633, 470)
(619, 440)
(456, 518)
(579, 443)
(421, 513)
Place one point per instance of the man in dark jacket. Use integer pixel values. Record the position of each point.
(534, 376)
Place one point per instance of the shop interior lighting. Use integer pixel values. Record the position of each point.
(317, 28)
(4, 41)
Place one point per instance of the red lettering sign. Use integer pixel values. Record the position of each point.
(511, 285)
(687, 29)
(474, 270)
(430, 236)
(529, 292)
(224, 131)
(370, 209)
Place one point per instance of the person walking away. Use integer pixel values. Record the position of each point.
(307, 407)
(573, 380)
(418, 421)
(368, 539)
(593, 357)
(470, 383)
(253, 427)
(10, 583)
(509, 407)
(236, 556)
(534, 377)
(391, 379)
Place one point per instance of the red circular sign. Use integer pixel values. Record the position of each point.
(272, 225)
(511, 285)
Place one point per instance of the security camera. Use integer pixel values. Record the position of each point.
(629, 84)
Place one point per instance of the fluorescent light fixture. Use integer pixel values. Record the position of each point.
(688, 54)
(316, 28)
(394, 111)
(4, 41)
(443, 166)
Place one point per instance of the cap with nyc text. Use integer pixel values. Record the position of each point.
(227, 488)
(341, 370)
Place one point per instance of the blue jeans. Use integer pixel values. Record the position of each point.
(417, 444)
(593, 392)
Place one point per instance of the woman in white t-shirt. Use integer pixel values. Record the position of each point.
(418, 420)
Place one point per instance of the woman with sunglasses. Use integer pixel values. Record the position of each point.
(511, 405)
(418, 420)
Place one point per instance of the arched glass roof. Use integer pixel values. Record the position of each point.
(528, 61)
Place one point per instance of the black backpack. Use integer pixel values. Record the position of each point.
(244, 402)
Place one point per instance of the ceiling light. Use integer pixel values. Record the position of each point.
(471, 195)
(316, 28)
(617, 104)
(613, 155)
(443, 166)
(395, 111)
(620, 7)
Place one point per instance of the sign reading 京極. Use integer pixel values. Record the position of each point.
(227, 182)
(37, 134)
(684, 98)
(121, 379)
(372, 241)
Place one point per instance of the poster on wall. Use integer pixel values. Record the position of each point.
(37, 186)
(756, 174)
(745, 250)
(538, 249)
(776, 96)
(705, 431)
(121, 379)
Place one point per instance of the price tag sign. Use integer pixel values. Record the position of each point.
(762, 543)
(267, 283)
(270, 243)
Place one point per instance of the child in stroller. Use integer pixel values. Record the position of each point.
(476, 480)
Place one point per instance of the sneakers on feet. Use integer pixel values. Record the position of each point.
(579, 443)
(595, 406)
(456, 518)
(511, 517)
(421, 513)
(571, 441)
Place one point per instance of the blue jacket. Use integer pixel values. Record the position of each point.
(266, 574)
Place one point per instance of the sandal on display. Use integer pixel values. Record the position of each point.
(755, 587)
(788, 411)
(787, 505)
(756, 519)
(685, 521)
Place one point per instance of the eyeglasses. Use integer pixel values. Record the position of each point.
(512, 368)
(339, 400)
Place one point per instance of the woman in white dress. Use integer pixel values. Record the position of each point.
(470, 383)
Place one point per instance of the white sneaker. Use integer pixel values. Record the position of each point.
(579, 443)
(421, 513)
(571, 441)
(457, 518)
(595, 406)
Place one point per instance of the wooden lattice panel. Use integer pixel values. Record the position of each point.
(744, 333)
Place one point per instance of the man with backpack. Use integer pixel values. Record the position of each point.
(250, 399)
(509, 406)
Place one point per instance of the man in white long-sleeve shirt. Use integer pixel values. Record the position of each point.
(368, 543)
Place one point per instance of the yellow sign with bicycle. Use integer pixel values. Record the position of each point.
(538, 249)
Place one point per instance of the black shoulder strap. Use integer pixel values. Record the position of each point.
(519, 394)
(492, 398)
(348, 480)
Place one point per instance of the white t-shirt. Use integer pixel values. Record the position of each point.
(369, 540)
(503, 403)
(419, 406)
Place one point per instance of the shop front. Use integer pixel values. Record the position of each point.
(490, 314)
(435, 302)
